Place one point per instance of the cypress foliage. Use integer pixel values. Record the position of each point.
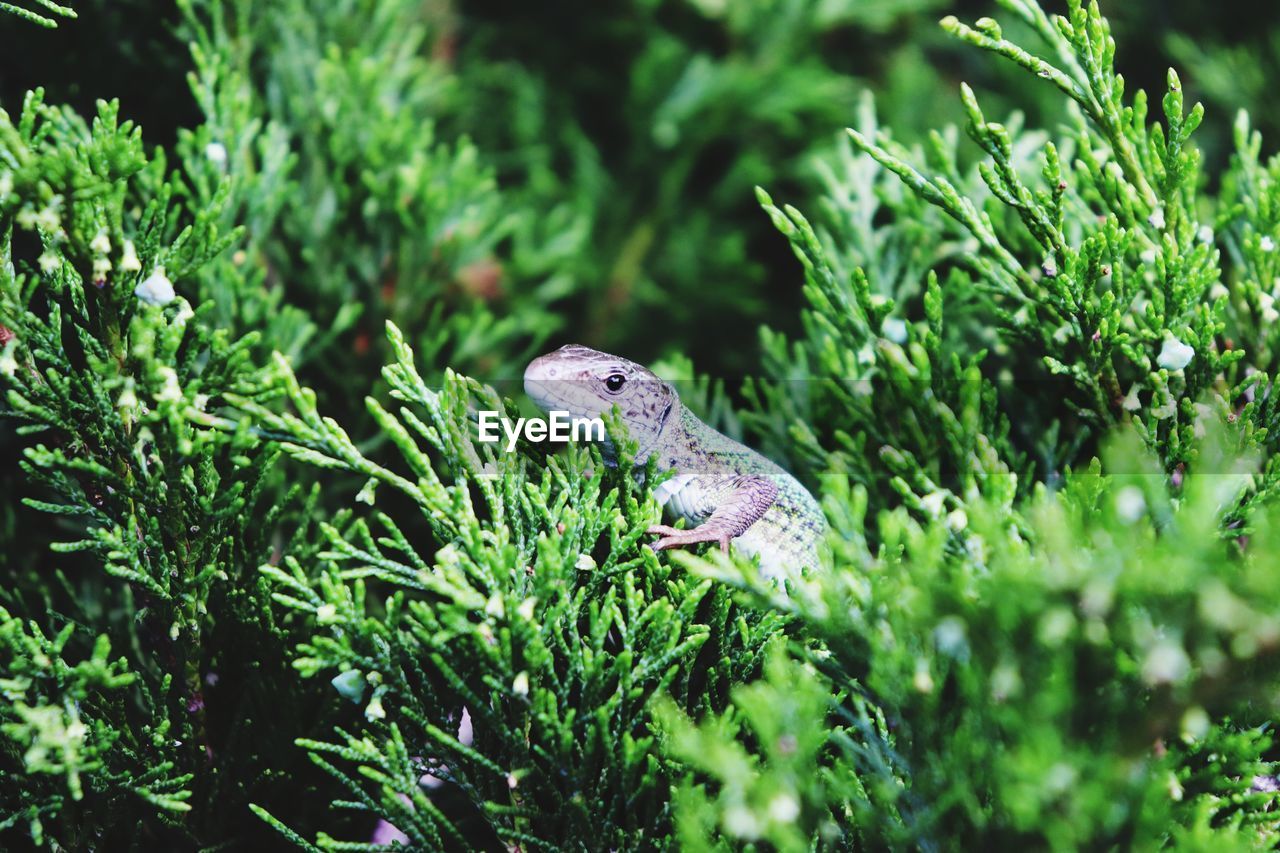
(262, 585)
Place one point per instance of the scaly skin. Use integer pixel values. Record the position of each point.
(731, 493)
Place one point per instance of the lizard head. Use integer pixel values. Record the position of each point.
(588, 383)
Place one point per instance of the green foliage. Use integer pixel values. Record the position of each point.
(66, 731)
(509, 592)
(106, 369)
(1056, 665)
(1072, 657)
(325, 115)
(1096, 288)
(1231, 74)
(37, 15)
(648, 160)
(774, 795)
(229, 620)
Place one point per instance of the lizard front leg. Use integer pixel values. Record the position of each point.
(746, 499)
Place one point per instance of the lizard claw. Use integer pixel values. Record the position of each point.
(673, 538)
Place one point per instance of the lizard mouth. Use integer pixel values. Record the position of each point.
(551, 394)
(545, 384)
(537, 389)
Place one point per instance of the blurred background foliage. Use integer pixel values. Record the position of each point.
(634, 130)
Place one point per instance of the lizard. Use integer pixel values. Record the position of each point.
(731, 493)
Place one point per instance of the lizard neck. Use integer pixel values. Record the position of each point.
(682, 439)
(693, 430)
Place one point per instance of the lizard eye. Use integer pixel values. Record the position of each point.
(614, 382)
